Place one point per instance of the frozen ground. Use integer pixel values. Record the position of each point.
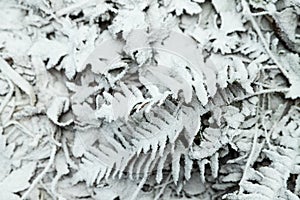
(149, 99)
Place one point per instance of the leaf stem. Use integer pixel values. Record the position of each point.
(141, 184)
(42, 174)
(250, 159)
(248, 13)
(278, 90)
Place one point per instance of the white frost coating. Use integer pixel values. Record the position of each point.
(9, 185)
(57, 108)
(119, 105)
(18, 80)
(149, 99)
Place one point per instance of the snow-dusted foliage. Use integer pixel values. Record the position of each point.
(149, 99)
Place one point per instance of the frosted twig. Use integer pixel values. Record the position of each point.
(20, 126)
(46, 190)
(53, 137)
(136, 192)
(267, 91)
(42, 174)
(250, 159)
(54, 185)
(248, 13)
(163, 187)
(67, 154)
(260, 13)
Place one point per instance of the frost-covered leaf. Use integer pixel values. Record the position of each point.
(58, 107)
(9, 185)
(292, 62)
(128, 20)
(162, 99)
(179, 6)
(119, 105)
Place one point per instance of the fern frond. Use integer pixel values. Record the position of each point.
(270, 182)
(144, 144)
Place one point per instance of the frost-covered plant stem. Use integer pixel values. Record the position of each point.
(42, 174)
